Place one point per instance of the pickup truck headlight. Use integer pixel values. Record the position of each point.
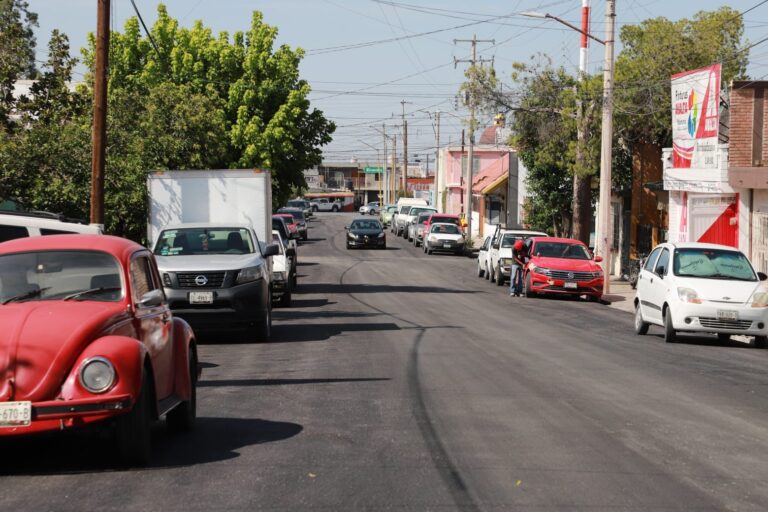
(97, 374)
(688, 295)
(506, 262)
(248, 274)
(278, 276)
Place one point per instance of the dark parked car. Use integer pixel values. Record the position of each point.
(366, 233)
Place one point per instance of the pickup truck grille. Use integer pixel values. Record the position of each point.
(193, 279)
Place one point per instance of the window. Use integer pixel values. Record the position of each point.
(141, 277)
(475, 164)
(651, 261)
(44, 231)
(663, 264)
(494, 210)
(616, 217)
(12, 233)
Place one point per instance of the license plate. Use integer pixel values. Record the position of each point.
(570, 286)
(15, 414)
(201, 297)
(727, 314)
(446, 246)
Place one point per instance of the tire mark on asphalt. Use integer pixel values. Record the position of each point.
(441, 460)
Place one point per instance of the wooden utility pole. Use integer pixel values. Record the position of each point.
(436, 196)
(471, 101)
(582, 184)
(405, 150)
(99, 133)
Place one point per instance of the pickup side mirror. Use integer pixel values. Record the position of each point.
(151, 299)
(271, 250)
(290, 251)
(761, 276)
(660, 271)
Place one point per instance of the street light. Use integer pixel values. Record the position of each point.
(603, 242)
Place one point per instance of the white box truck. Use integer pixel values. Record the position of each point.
(211, 233)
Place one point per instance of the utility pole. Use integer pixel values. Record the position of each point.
(471, 102)
(582, 185)
(405, 150)
(99, 131)
(382, 186)
(435, 196)
(606, 148)
(393, 176)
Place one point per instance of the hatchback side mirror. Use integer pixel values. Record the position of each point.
(761, 276)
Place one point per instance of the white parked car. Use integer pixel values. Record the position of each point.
(500, 252)
(444, 237)
(19, 224)
(706, 288)
(282, 280)
(371, 208)
(483, 261)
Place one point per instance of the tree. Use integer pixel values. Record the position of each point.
(17, 51)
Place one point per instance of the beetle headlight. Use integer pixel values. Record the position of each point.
(248, 274)
(97, 374)
(688, 295)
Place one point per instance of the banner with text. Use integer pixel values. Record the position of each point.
(695, 118)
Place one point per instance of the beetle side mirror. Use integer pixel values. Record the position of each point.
(761, 276)
(598, 259)
(151, 299)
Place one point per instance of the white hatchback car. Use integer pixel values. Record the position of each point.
(444, 237)
(696, 287)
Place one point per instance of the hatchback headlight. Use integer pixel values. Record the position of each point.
(688, 295)
(248, 274)
(97, 374)
(759, 298)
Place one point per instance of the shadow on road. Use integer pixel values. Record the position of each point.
(308, 303)
(306, 264)
(290, 333)
(703, 341)
(91, 451)
(328, 288)
(290, 314)
(280, 382)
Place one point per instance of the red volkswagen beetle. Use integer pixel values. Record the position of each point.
(563, 266)
(86, 337)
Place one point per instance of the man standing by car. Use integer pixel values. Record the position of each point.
(519, 258)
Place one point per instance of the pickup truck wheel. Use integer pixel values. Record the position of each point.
(285, 300)
(335, 208)
(499, 278)
(492, 277)
(133, 432)
(487, 274)
(182, 417)
(263, 330)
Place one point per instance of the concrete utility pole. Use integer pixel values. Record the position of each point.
(383, 195)
(99, 131)
(405, 149)
(436, 196)
(393, 177)
(582, 185)
(471, 101)
(606, 149)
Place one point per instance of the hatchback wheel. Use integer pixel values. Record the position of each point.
(670, 336)
(480, 270)
(761, 341)
(641, 326)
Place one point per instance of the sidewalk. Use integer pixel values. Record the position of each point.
(621, 297)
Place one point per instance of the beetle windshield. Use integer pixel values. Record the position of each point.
(561, 250)
(198, 241)
(55, 275)
(712, 264)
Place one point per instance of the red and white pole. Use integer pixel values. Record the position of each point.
(584, 38)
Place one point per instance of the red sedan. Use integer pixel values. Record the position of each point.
(293, 224)
(87, 338)
(562, 266)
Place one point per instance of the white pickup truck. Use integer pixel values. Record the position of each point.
(500, 252)
(323, 204)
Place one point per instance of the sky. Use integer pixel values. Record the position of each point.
(405, 51)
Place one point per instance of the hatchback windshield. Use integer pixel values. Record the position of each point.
(60, 275)
(196, 241)
(712, 264)
(561, 250)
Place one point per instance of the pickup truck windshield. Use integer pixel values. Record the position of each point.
(199, 241)
(60, 275)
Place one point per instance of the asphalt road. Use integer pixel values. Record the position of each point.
(400, 381)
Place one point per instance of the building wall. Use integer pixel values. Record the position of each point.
(646, 219)
(741, 135)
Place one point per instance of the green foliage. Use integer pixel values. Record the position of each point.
(17, 50)
(657, 48)
(194, 102)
